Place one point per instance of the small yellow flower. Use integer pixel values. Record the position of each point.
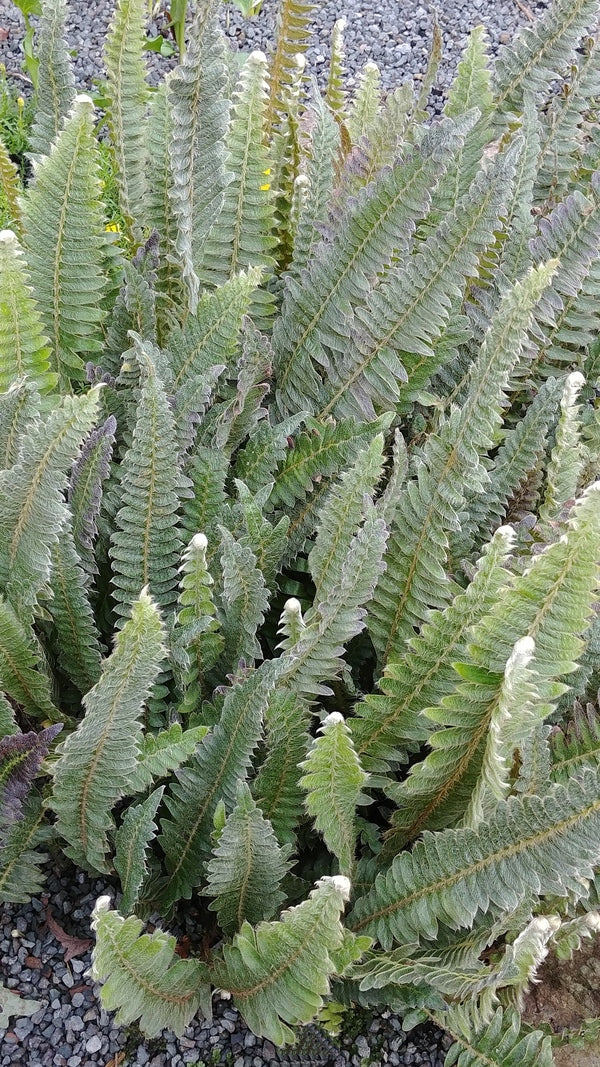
(113, 227)
(267, 171)
(265, 188)
(20, 102)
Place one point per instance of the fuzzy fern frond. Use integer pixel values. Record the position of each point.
(277, 784)
(501, 1042)
(24, 349)
(335, 95)
(393, 338)
(415, 579)
(314, 316)
(19, 407)
(244, 236)
(62, 213)
(163, 752)
(366, 103)
(551, 603)
(222, 760)
(143, 979)
(21, 860)
(245, 601)
(159, 211)
(278, 973)
(132, 841)
(21, 756)
(566, 316)
(199, 111)
(23, 677)
(55, 90)
(566, 461)
(75, 637)
(209, 337)
(515, 256)
(97, 760)
(127, 106)
(84, 495)
(334, 780)
(146, 545)
(531, 844)
(196, 638)
(577, 747)
(386, 725)
(345, 563)
(292, 39)
(247, 868)
(314, 186)
(540, 53)
(32, 509)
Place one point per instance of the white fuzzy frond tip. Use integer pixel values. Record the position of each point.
(199, 542)
(332, 719)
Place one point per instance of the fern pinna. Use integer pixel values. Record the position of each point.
(301, 526)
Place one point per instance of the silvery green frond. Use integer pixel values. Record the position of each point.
(55, 90)
(24, 350)
(98, 759)
(132, 841)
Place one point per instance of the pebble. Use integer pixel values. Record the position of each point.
(93, 1044)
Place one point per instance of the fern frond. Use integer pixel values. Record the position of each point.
(55, 89)
(62, 213)
(278, 972)
(532, 844)
(566, 317)
(315, 312)
(539, 53)
(497, 1043)
(345, 563)
(366, 103)
(247, 868)
(11, 189)
(266, 450)
(266, 540)
(314, 186)
(515, 256)
(333, 780)
(97, 760)
(84, 495)
(19, 407)
(32, 508)
(20, 857)
(222, 759)
(292, 39)
(566, 461)
(24, 349)
(245, 234)
(550, 603)
(22, 675)
(132, 841)
(143, 979)
(196, 638)
(199, 111)
(145, 544)
(577, 747)
(388, 133)
(245, 601)
(386, 725)
(321, 451)
(210, 336)
(276, 787)
(392, 351)
(159, 211)
(127, 107)
(21, 756)
(238, 418)
(76, 637)
(335, 95)
(163, 752)
(517, 458)
(415, 579)
(207, 472)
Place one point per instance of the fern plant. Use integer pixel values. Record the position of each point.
(301, 533)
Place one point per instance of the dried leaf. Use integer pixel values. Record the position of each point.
(12, 1004)
(73, 946)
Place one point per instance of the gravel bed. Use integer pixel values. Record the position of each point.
(71, 1030)
(397, 35)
